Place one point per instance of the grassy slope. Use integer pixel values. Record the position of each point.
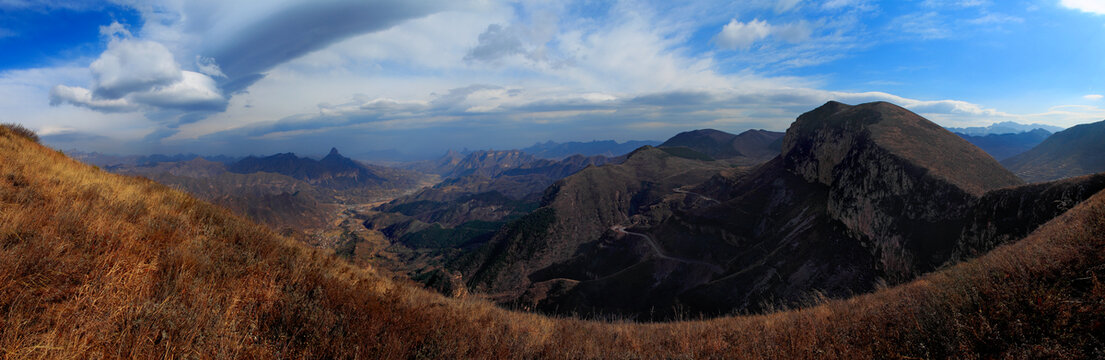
(94, 264)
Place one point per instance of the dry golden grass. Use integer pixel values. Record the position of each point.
(94, 265)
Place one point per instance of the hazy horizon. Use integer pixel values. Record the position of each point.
(422, 77)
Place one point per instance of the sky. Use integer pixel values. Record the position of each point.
(417, 77)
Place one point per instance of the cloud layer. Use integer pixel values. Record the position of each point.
(294, 75)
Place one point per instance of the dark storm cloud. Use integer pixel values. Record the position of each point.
(303, 28)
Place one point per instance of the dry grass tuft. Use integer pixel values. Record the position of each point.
(19, 130)
(95, 265)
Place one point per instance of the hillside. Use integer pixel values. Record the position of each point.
(123, 267)
(1071, 152)
(1004, 146)
(490, 163)
(567, 235)
(435, 224)
(754, 145)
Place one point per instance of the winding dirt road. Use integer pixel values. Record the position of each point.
(704, 197)
(660, 252)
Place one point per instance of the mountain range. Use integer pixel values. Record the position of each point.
(608, 148)
(1005, 127)
(105, 160)
(1004, 146)
(859, 196)
(119, 266)
(1072, 152)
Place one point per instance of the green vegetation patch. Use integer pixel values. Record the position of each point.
(437, 236)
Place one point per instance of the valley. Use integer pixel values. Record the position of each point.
(708, 223)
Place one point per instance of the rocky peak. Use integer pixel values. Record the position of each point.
(824, 139)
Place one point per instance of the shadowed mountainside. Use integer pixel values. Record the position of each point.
(574, 215)
(755, 145)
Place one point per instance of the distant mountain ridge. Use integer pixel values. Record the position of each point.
(608, 148)
(102, 160)
(1003, 146)
(1079, 150)
(333, 171)
(1005, 127)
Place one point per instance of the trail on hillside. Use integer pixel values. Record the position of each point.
(660, 252)
(704, 197)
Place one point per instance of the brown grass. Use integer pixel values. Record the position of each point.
(19, 130)
(94, 265)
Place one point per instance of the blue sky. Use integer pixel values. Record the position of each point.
(420, 76)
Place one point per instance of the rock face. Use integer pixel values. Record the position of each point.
(893, 177)
(859, 196)
(1071, 152)
(819, 142)
(574, 221)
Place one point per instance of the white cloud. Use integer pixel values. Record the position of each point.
(786, 5)
(929, 25)
(954, 3)
(133, 75)
(740, 35)
(1090, 6)
(839, 4)
(79, 96)
(209, 67)
(130, 65)
(194, 92)
(793, 32)
(1093, 97)
(995, 19)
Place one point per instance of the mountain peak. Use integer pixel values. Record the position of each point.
(822, 139)
(753, 144)
(333, 152)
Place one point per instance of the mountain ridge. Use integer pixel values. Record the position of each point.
(841, 209)
(1071, 152)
